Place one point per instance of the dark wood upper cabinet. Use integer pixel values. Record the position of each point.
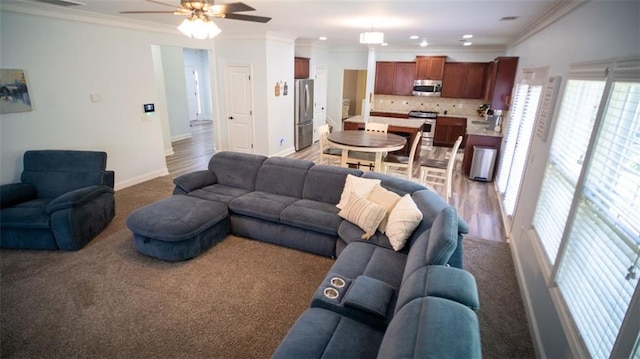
(464, 80)
(301, 68)
(403, 78)
(476, 77)
(429, 67)
(500, 81)
(394, 78)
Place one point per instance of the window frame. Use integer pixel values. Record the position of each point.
(628, 336)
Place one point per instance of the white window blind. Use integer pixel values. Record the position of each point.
(511, 135)
(587, 219)
(575, 124)
(522, 148)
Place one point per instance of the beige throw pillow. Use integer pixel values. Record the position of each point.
(364, 214)
(360, 186)
(403, 220)
(386, 199)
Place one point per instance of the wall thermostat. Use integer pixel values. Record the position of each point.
(149, 107)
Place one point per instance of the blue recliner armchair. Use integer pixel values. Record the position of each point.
(64, 200)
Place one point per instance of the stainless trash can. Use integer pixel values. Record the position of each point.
(482, 163)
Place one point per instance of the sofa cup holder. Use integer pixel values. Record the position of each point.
(331, 293)
(337, 282)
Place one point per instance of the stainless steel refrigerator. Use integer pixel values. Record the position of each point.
(303, 116)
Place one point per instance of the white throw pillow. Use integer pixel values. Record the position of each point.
(366, 215)
(360, 186)
(403, 220)
(386, 199)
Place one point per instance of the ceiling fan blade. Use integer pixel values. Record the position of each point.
(162, 3)
(246, 17)
(228, 8)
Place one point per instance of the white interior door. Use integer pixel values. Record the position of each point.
(320, 98)
(239, 100)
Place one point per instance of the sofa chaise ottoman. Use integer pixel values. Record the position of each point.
(177, 228)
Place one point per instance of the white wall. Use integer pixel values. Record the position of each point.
(67, 60)
(596, 30)
(175, 89)
(271, 58)
(280, 64)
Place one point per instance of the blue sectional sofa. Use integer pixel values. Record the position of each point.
(375, 301)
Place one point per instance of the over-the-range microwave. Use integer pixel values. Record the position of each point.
(427, 88)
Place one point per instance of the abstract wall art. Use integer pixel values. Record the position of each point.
(14, 95)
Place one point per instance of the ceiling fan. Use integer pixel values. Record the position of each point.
(203, 8)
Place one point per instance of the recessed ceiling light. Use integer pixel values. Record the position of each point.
(467, 36)
(508, 18)
(384, 44)
(468, 43)
(414, 37)
(322, 38)
(424, 43)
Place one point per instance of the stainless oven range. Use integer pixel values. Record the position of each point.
(429, 128)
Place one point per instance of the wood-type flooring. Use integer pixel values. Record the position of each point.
(476, 202)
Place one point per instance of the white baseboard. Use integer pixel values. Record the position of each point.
(183, 136)
(142, 178)
(285, 152)
(168, 152)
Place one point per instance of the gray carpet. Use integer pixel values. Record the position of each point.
(237, 300)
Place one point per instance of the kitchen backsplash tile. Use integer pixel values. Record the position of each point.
(453, 106)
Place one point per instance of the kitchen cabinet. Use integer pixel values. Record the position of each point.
(464, 80)
(301, 68)
(500, 80)
(389, 114)
(429, 67)
(448, 129)
(482, 141)
(394, 78)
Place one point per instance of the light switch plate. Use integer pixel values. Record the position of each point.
(96, 97)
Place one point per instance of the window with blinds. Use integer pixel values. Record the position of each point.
(575, 123)
(587, 215)
(518, 137)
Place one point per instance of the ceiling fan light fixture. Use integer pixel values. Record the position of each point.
(371, 37)
(199, 27)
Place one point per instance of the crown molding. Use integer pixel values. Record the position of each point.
(88, 17)
(553, 14)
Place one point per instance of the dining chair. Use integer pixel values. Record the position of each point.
(376, 127)
(328, 154)
(402, 164)
(440, 172)
(366, 160)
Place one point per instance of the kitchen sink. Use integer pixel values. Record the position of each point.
(480, 122)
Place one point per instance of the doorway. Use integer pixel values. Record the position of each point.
(354, 89)
(183, 95)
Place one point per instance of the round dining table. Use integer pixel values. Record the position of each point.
(378, 143)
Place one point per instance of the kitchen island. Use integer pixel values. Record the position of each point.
(408, 128)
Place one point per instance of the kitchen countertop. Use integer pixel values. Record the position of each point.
(479, 129)
(400, 122)
(472, 128)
